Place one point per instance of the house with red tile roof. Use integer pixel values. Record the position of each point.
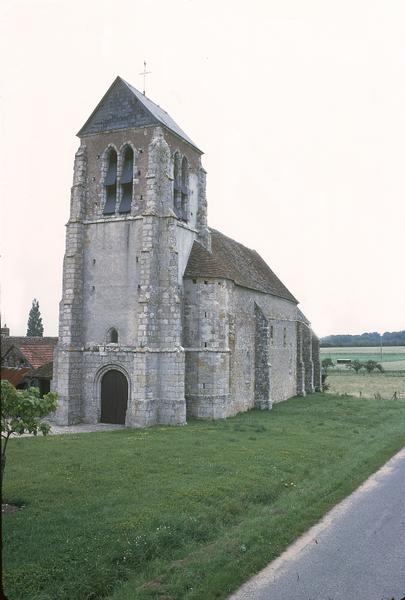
(27, 361)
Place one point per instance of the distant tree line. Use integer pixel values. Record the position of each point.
(389, 338)
(370, 366)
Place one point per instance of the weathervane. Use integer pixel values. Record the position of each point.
(145, 72)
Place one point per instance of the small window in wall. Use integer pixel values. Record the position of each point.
(110, 183)
(271, 335)
(285, 337)
(126, 182)
(177, 185)
(112, 336)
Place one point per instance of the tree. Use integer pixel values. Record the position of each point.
(357, 365)
(371, 365)
(21, 412)
(326, 363)
(35, 327)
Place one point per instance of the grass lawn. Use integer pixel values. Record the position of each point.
(183, 512)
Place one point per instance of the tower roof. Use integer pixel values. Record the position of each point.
(122, 107)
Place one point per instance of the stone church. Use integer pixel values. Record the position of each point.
(161, 316)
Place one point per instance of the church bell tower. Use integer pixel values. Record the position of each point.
(137, 205)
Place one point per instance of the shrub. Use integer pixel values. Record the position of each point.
(21, 412)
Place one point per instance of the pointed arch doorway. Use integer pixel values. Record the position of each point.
(114, 397)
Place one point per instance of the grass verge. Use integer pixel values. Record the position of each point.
(187, 512)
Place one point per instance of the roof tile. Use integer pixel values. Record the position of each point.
(37, 350)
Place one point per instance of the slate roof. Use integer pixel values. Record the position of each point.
(124, 106)
(37, 350)
(230, 260)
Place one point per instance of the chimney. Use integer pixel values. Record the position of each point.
(5, 331)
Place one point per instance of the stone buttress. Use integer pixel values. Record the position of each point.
(262, 360)
(316, 359)
(67, 370)
(300, 360)
(307, 355)
(159, 375)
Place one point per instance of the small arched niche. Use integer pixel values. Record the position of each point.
(112, 336)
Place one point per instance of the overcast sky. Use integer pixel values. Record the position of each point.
(299, 107)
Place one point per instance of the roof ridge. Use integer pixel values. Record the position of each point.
(133, 88)
(170, 124)
(232, 240)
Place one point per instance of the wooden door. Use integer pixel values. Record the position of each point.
(114, 397)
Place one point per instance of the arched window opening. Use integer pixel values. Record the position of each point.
(112, 336)
(110, 184)
(127, 177)
(184, 189)
(177, 185)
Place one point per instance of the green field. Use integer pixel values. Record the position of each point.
(367, 385)
(183, 512)
(392, 357)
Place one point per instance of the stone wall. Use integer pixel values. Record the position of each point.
(154, 395)
(232, 362)
(281, 317)
(205, 339)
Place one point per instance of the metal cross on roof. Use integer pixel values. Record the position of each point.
(145, 72)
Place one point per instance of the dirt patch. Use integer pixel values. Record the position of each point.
(278, 511)
(181, 562)
(10, 508)
(153, 584)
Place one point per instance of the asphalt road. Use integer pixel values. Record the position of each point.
(357, 552)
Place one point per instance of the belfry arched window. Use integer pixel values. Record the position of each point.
(126, 181)
(112, 336)
(110, 183)
(177, 185)
(184, 189)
